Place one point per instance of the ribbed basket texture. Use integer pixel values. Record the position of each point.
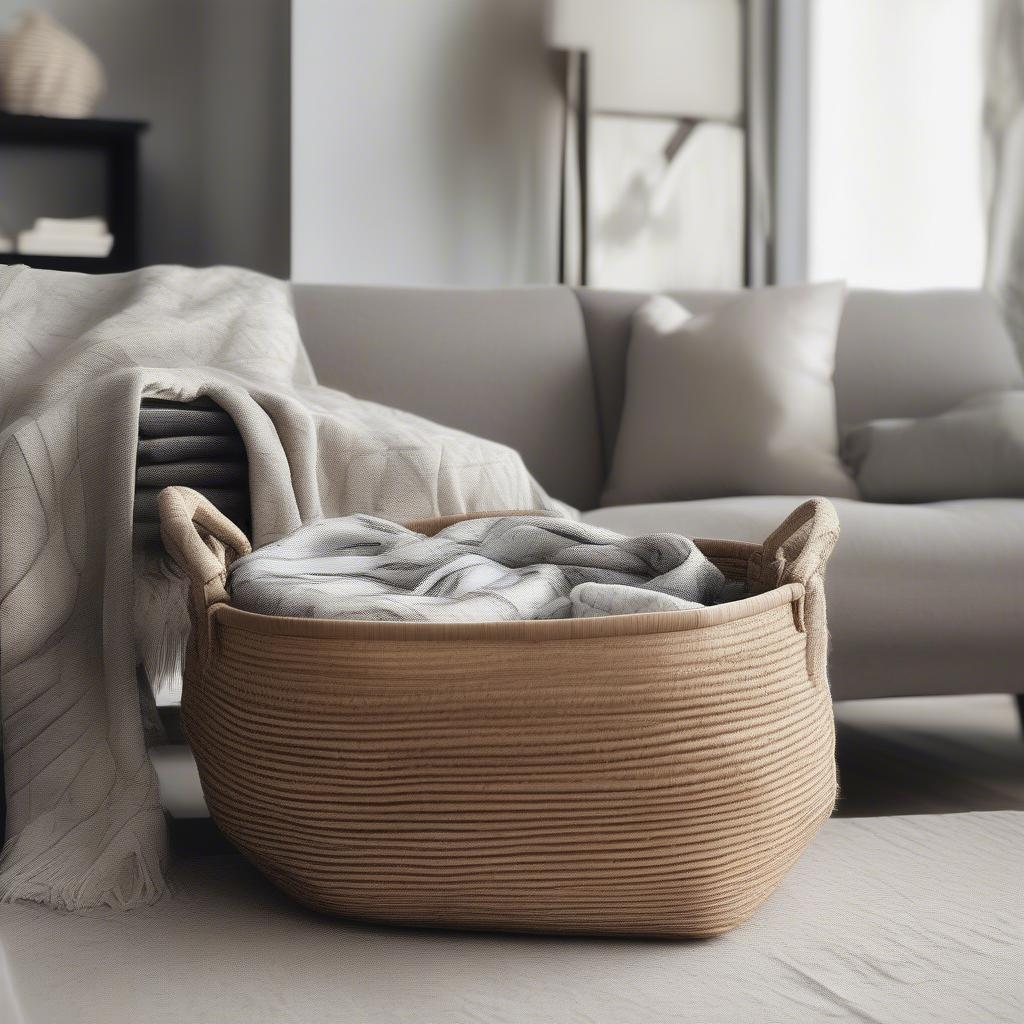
(652, 774)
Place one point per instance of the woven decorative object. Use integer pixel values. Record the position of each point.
(45, 70)
(651, 774)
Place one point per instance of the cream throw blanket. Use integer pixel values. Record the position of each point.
(84, 823)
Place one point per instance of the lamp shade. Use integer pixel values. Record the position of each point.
(671, 57)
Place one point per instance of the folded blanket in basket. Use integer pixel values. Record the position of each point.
(491, 569)
(80, 353)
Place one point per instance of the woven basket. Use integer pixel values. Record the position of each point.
(652, 774)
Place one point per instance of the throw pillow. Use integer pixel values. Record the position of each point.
(739, 400)
(975, 450)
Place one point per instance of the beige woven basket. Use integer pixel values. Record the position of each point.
(652, 774)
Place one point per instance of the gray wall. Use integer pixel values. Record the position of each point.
(213, 78)
(425, 142)
(246, 112)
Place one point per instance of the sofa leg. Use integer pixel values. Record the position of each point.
(1019, 698)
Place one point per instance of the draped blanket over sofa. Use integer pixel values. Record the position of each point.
(84, 824)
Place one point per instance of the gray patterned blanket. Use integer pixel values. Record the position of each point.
(80, 352)
(480, 570)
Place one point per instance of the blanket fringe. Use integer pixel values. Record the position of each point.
(162, 627)
(128, 873)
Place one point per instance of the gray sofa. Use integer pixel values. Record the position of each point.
(924, 599)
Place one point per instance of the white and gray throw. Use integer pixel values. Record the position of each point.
(490, 569)
(80, 352)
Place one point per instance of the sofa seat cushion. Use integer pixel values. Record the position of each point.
(922, 599)
(931, 931)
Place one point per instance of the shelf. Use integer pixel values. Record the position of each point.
(118, 142)
(79, 264)
(67, 131)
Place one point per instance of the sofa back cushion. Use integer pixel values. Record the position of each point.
(511, 365)
(920, 353)
(899, 353)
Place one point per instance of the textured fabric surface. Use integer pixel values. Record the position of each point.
(923, 599)
(480, 570)
(736, 401)
(183, 455)
(194, 473)
(185, 447)
(509, 364)
(80, 351)
(973, 451)
(216, 463)
(169, 419)
(898, 353)
(897, 920)
(231, 501)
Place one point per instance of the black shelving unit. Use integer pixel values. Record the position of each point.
(118, 141)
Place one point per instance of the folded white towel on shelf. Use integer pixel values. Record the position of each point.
(66, 236)
(82, 227)
(44, 243)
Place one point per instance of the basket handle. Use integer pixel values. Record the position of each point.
(798, 549)
(203, 542)
(797, 552)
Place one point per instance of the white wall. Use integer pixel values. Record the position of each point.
(425, 142)
(895, 143)
(212, 76)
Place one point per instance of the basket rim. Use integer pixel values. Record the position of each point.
(637, 624)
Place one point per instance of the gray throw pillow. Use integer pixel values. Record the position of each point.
(739, 400)
(975, 450)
